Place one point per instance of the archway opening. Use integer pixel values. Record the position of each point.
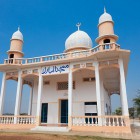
(116, 104)
(10, 97)
(25, 99)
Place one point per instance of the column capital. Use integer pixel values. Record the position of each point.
(19, 71)
(96, 63)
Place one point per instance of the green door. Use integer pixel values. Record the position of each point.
(44, 112)
(64, 111)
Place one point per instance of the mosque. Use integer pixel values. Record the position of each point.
(71, 90)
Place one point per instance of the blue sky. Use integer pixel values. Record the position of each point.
(46, 24)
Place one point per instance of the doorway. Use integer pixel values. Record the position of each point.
(11, 56)
(64, 111)
(44, 113)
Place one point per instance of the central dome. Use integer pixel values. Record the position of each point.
(78, 39)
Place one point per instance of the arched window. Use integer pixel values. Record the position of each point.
(107, 45)
(107, 41)
(11, 56)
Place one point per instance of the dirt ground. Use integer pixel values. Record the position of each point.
(40, 136)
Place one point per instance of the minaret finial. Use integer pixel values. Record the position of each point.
(78, 26)
(104, 9)
(18, 28)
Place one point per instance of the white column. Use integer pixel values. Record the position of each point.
(40, 87)
(2, 95)
(18, 96)
(98, 90)
(30, 101)
(123, 89)
(103, 106)
(70, 88)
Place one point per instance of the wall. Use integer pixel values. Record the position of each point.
(84, 92)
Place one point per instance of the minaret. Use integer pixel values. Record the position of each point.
(106, 29)
(16, 45)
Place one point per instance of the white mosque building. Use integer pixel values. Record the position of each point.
(71, 90)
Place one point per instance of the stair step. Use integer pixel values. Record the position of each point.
(54, 129)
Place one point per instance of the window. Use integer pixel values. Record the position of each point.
(89, 65)
(89, 79)
(35, 71)
(64, 85)
(76, 66)
(46, 82)
(107, 41)
(11, 56)
(91, 110)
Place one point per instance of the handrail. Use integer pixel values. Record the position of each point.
(19, 119)
(75, 54)
(111, 120)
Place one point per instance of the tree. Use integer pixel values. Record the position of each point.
(118, 111)
(137, 103)
(131, 112)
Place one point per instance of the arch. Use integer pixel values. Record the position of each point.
(30, 75)
(106, 41)
(25, 99)
(115, 101)
(78, 69)
(15, 78)
(10, 97)
(116, 66)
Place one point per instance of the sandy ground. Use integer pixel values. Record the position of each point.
(44, 136)
(36, 135)
(72, 135)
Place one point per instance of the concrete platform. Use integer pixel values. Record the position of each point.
(53, 129)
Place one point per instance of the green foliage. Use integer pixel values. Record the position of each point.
(137, 103)
(131, 112)
(118, 111)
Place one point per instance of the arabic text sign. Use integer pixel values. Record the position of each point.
(57, 69)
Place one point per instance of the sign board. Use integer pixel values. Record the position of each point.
(56, 69)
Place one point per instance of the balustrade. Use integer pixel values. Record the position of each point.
(6, 119)
(104, 121)
(76, 54)
(20, 119)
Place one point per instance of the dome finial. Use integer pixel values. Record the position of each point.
(78, 26)
(104, 9)
(18, 28)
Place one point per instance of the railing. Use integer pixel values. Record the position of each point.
(6, 119)
(100, 121)
(76, 54)
(19, 119)
(26, 119)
